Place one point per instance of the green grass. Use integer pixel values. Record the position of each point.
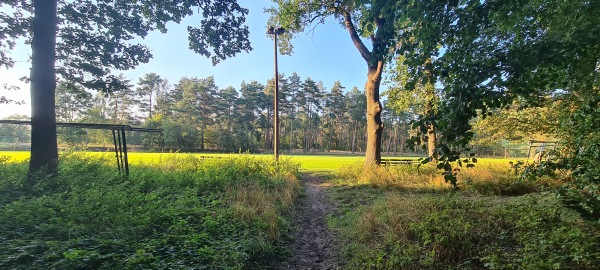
(181, 212)
(178, 210)
(309, 163)
(404, 218)
(15, 156)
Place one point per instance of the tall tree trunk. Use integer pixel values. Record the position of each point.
(431, 142)
(430, 111)
(306, 132)
(329, 137)
(202, 130)
(291, 135)
(354, 136)
(116, 116)
(375, 69)
(403, 141)
(350, 135)
(431, 131)
(395, 139)
(150, 104)
(44, 149)
(374, 124)
(389, 141)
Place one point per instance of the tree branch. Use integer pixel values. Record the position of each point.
(362, 49)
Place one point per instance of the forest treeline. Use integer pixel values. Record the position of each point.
(196, 115)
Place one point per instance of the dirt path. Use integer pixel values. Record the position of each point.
(312, 244)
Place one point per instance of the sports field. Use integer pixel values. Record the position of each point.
(323, 162)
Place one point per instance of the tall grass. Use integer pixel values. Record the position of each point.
(493, 177)
(407, 217)
(182, 212)
(455, 232)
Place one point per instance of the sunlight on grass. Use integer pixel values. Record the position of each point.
(219, 213)
(309, 163)
(408, 217)
(15, 156)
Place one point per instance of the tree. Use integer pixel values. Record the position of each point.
(221, 134)
(295, 97)
(228, 97)
(71, 102)
(335, 105)
(499, 51)
(94, 38)
(164, 99)
(44, 146)
(310, 105)
(121, 103)
(515, 123)
(356, 107)
(195, 104)
(149, 85)
(370, 19)
(249, 107)
(417, 98)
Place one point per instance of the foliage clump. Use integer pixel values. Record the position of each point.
(184, 212)
(404, 217)
(463, 232)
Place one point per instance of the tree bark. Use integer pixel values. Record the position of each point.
(429, 111)
(330, 135)
(44, 150)
(431, 142)
(354, 137)
(375, 69)
(374, 123)
(291, 136)
(389, 141)
(150, 109)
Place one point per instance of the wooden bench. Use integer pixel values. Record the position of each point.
(399, 161)
(210, 157)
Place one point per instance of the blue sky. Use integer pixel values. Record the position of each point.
(326, 54)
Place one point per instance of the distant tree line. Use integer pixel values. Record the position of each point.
(196, 115)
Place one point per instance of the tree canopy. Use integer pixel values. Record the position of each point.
(492, 54)
(386, 24)
(83, 41)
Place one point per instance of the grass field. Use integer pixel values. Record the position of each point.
(310, 163)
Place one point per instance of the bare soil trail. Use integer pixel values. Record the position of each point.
(312, 244)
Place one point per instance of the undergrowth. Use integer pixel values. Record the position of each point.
(181, 213)
(404, 217)
(484, 179)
